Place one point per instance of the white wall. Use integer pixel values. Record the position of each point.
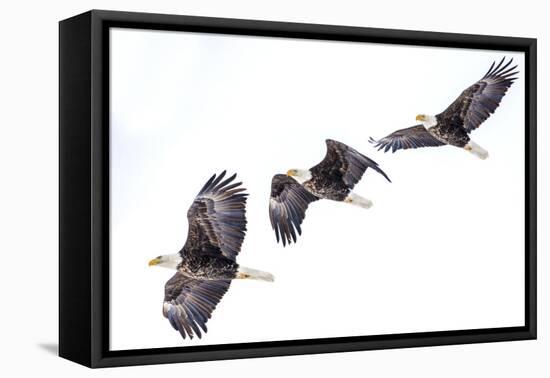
(28, 200)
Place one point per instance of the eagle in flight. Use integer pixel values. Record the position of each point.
(207, 263)
(333, 178)
(454, 125)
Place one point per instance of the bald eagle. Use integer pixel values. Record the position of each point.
(465, 114)
(207, 263)
(333, 178)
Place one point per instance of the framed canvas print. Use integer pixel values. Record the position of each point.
(236, 188)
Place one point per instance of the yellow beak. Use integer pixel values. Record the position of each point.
(420, 117)
(155, 261)
(290, 172)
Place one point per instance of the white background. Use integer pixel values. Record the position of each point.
(442, 248)
(29, 188)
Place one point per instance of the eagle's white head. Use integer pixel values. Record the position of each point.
(427, 120)
(167, 261)
(300, 175)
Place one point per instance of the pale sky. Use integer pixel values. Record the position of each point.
(442, 248)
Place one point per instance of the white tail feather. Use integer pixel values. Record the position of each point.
(477, 150)
(253, 274)
(357, 200)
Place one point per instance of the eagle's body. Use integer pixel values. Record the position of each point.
(199, 257)
(333, 178)
(327, 182)
(207, 262)
(453, 126)
(199, 265)
(325, 188)
(446, 131)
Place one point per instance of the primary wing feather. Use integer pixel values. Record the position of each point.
(287, 207)
(477, 102)
(217, 219)
(189, 303)
(411, 137)
(343, 161)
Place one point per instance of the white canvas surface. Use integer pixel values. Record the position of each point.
(441, 249)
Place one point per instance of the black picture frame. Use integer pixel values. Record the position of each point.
(84, 183)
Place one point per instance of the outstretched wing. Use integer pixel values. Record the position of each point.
(343, 161)
(479, 101)
(189, 303)
(411, 137)
(287, 207)
(217, 220)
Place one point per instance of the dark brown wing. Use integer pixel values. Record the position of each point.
(479, 101)
(287, 207)
(411, 137)
(217, 218)
(189, 303)
(343, 161)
